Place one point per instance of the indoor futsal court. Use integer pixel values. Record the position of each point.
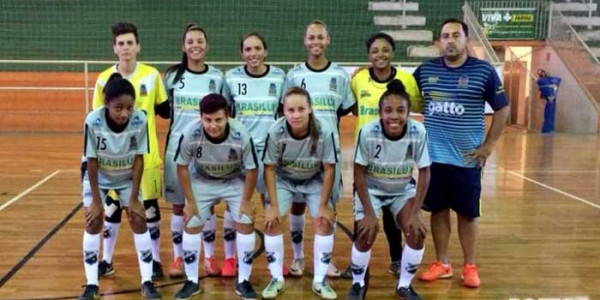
(539, 227)
(540, 196)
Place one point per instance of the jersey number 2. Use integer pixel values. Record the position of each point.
(377, 151)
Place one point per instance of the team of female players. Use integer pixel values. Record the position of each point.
(226, 140)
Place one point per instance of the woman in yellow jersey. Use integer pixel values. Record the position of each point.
(151, 99)
(368, 85)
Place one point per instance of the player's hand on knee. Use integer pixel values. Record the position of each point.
(189, 210)
(367, 227)
(94, 213)
(247, 208)
(137, 208)
(416, 229)
(326, 214)
(271, 217)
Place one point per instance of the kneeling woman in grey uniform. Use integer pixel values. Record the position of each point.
(299, 157)
(216, 160)
(387, 151)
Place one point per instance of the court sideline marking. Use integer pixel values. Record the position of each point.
(27, 191)
(554, 189)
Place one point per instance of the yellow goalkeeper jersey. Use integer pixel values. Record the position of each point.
(150, 91)
(367, 91)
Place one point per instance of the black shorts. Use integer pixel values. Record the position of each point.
(456, 188)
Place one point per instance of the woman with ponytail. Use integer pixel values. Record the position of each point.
(387, 151)
(187, 83)
(299, 158)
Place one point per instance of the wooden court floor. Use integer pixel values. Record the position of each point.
(540, 229)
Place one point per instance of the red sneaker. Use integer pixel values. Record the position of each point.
(436, 270)
(229, 268)
(176, 269)
(210, 267)
(470, 276)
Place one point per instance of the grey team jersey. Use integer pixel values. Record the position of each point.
(185, 96)
(329, 90)
(292, 157)
(115, 152)
(211, 159)
(390, 162)
(255, 99)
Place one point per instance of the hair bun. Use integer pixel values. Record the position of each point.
(114, 76)
(396, 86)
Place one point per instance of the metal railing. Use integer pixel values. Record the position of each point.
(574, 52)
(477, 40)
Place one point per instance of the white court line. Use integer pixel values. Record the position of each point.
(27, 191)
(555, 189)
(556, 171)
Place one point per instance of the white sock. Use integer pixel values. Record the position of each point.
(154, 229)
(191, 254)
(229, 234)
(411, 259)
(322, 248)
(245, 252)
(274, 252)
(360, 262)
(143, 245)
(91, 248)
(177, 235)
(110, 233)
(297, 234)
(208, 236)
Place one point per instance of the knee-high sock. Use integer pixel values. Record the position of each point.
(154, 229)
(208, 236)
(297, 235)
(274, 251)
(322, 248)
(245, 251)
(177, 235)
(411, 259)
(91, 250)
(229, 234)
(191, 254)
(143, 245)
(111, 232)
(360, 263)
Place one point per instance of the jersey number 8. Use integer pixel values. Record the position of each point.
(199, 153)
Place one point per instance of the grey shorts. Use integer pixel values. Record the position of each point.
(394, 203)
(124, 193)
(209, 192)
(308, 192)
